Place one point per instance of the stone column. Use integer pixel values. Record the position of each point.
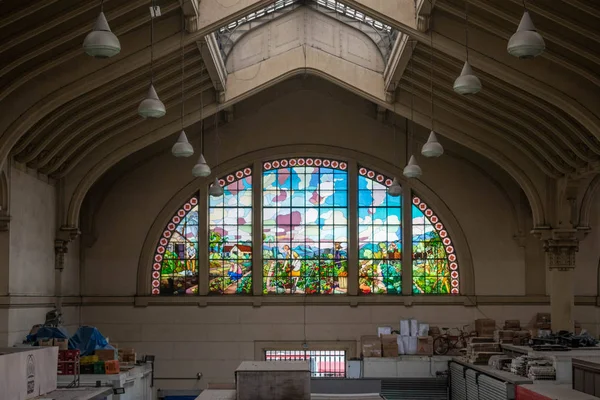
(61, 247)
(560, 247)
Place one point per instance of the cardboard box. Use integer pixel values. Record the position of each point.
(45, 342)
(62, 344)
(425, 346)
(485, 327)
(389, 345)
(384, 330)
(106, 354)
(26, 373)
(371, 346)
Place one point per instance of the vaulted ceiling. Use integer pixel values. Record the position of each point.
(69, 116)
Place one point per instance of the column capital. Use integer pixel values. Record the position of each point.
(4, 220)
(560, 246)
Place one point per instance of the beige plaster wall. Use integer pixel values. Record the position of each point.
(32, 234)
(133, 202)
(587, 280)
(214, 340)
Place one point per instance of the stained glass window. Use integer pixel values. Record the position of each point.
(435, 266)
(305, 226)
(379, 235)
(230, 235)
(175, 267)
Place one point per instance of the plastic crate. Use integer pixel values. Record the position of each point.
(99, 367)
(526, 394)
(111, 367)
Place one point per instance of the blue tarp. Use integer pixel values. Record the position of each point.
(47, 332)
(87, 339)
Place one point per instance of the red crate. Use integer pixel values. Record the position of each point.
(526, 394)
(68, 355)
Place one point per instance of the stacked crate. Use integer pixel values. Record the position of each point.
(68, 362)
(485, 327)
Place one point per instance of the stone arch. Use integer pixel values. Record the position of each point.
(589, 199)
(352, 157)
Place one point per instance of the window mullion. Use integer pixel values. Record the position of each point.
(257, 228)
(203, 238)
(406, 241)
(352, 228)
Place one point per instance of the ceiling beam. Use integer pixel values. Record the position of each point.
(24, 12)
(211, 54)
(394, 69)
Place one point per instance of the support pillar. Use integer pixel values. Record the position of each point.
(560, 246)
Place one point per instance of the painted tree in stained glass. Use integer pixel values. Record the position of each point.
(379, 235)
(230, 236)
(305, 226)
(435, 266)
(175, 267)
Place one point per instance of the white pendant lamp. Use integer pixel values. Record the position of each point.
(526, 42)
(216, 189)
(432, 148)
(151, 106)
(412, 169)
(395, 190)
(201, 169)
(182, 147)
(101, 42)
(467, 82)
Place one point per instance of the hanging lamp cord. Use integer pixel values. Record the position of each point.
(431, 64)
(467, 28)
(201, 111)
(101, 5)
(152, 43)
(412, 105)
(182, 70)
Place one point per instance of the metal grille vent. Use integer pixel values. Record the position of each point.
(415, 388)
(457, 382)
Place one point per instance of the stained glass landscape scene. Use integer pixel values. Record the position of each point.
(434, 269)
(305, 226)
(175, 267)
(230, 236)
(379, 235)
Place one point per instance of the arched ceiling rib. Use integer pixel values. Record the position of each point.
(545, 108)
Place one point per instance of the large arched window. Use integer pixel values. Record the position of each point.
(379, 235)
(311, 226)
(230, 235)
(305, 226)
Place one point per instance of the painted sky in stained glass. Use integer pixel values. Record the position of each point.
(305, 226)
(435, 266)
(175, 267)
(379, 235)
(230, 235)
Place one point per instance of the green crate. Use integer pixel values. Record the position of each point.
(99, 367)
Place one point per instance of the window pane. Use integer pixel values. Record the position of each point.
(305, 239)
(230, 240)
(379, 235)
(434, 266)
(175, 266)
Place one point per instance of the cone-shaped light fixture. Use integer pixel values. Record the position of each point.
(151, 106)
(467, 82)
(412, 170)
(216, 189)
(101, 42)
(526, 42)
(201, 169)
(395, 189)
(182, 148)
(432, 148)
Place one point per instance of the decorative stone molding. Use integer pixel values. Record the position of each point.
(560, 246)
(4, 220)
(423, 23)
(191, 24)
(61, 244)
(61, 247)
